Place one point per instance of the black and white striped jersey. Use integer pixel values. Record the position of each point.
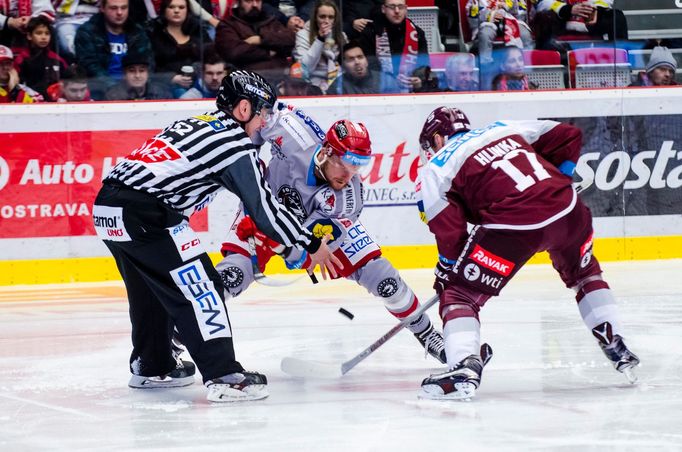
(187, 163)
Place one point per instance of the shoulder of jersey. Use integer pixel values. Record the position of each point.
(212, 121)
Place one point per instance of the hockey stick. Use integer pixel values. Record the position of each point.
(304, 368)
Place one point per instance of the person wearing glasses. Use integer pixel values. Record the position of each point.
(396, 44)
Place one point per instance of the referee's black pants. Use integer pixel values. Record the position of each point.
(170, 281)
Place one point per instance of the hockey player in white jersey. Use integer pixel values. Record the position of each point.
(315, 175)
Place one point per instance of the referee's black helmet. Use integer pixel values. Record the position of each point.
(241, 84)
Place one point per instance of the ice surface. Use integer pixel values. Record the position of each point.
(64, 371)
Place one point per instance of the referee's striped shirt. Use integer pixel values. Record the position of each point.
(191, 160)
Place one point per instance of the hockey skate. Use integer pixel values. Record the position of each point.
(432, 341)
(460, 382)
(182, 375)
(238, 387)
(615, 350)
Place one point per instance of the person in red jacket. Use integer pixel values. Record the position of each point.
(254, 40)
(11, 91)
(512, 180)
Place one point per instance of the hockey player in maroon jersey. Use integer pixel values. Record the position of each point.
(315, 175)
(512, 181)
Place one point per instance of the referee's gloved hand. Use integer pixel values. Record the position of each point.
(442, 272)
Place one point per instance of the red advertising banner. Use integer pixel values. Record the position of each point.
(49, 180)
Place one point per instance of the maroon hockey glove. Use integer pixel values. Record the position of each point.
(265, 246)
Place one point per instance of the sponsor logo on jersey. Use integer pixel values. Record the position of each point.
(328, 201)
(443, 155)
(209, 308)
(154, 150)
(325, 226)
(586, 252)
(471, 272)
(186, 241)
(491, 261)
(358, 243)
(109, 225)
(212, 121)
(311, 123)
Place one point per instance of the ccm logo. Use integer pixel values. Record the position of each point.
(492, 262)
(188, 245)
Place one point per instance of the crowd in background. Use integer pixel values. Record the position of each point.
(78, 50)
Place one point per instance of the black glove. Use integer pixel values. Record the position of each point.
(442, 272)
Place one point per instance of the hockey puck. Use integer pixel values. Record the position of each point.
(346, 313)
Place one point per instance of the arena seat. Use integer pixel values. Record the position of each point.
(544, 68)
(598, 67)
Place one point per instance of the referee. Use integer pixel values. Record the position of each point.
(141, 213)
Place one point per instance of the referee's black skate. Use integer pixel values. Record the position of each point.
(615, 350)
(432, 341)
(182, 375)
(237, 387)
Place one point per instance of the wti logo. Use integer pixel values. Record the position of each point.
(4, 173)
(646, 168)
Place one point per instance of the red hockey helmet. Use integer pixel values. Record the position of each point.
(350, 141)
(444, 121)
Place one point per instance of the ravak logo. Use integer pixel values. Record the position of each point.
(4, 173)
(492, 262)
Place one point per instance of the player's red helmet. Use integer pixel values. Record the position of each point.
(444, 121)
(350, 141)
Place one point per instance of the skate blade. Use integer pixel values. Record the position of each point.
(463, 391)
(220, 393)
(630, 375)
(138, 382)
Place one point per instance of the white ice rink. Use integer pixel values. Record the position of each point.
(64, 371)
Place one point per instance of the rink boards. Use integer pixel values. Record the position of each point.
(53, 157)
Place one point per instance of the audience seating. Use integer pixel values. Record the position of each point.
(426, 18)
(598, 67)
(544, 68)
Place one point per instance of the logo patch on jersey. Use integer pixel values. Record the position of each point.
(328, 201)
(586, 252)
(322, 227)
(291, 199)
(471, 272)
(492, 261)
(109, 223)
(154, 150)
(232, 277)
(387, 287)
(209, 309)
(211, 121)
(186, 241)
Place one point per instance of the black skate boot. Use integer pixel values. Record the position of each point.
(238, 387)
(177, 347)
(615, 350)
(432, 341)
(457, 383)
(182, 375)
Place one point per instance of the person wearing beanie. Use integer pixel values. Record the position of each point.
(660, 70)
(136, 84)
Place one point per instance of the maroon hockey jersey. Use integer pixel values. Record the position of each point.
(503, 176)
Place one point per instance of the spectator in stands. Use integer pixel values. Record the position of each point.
(136, 84)
(103, 41)
(207, 85)
(358, 78)
(512, 76)
(460, 73)
(660, 70)
(11, 91)
(252, 39)
(37, 65)
(73, 86)
(397, 43)
(498, 19)
(178, 40)
(357, 14)
(319, 44)
(291, 13)
(71, 14)
(595, 17)
(14, 17)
